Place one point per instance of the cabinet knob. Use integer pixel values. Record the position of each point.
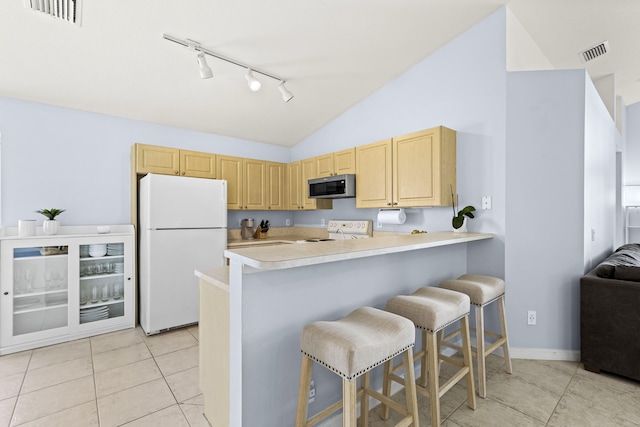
(395, 203)
(177, 173)
(183, 173)
(128, 278)
(6, 293)
(389, 204)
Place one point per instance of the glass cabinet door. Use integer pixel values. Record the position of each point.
(102, 282)
(40, 289)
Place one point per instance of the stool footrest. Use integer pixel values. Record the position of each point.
(323, 414)
(389, 402)
(494, 346)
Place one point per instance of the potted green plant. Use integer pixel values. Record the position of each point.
(459, 220)
(50, 225)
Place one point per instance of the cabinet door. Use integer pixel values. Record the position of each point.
(344, 161)
(154, 159)
(103, 271)
(422, 170)
(293, 184)
(275, 186)
(307, 171)
(230, 168)
(35, 291)
(374, 175)
(324, 166)
(254, 189)
(197, 164)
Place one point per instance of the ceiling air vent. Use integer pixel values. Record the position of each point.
(598, 50)
(66, 10)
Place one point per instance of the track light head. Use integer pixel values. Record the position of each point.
(254, 84)
(205, 70)
(286, 94)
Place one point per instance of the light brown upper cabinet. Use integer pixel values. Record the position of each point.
(172, 161)
(275, 185)
(418, 169)
(246, 187)
(337, 163)
(297, 189)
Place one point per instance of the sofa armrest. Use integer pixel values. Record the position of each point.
(610, 325)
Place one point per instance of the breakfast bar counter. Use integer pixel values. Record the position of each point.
(252, 313)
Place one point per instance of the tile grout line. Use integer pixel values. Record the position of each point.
(24, 377)
(562, 395)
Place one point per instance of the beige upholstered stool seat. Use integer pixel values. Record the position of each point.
(351, 347)
(483, 290)
(432, 309)
(365, 338)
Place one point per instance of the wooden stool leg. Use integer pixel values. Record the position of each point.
(364, 403)
(466, 351)
(349, 399)
(386, 388)
(482, 370)
(303, 391)
(410, 386)
(434, 387)
(422, 381)
(505, 346)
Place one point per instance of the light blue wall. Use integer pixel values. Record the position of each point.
(461, 86)
(79, 161)
(558, 132)
(632, 155)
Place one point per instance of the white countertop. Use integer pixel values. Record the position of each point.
(303, 254)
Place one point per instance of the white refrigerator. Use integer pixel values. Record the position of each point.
(183, 227)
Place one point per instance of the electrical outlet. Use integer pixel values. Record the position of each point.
(312, 391)
(531, 317)
(322, 222)
(486, 202)
(287, 221)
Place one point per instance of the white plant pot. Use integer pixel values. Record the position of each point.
(50, 226)
(462, 229)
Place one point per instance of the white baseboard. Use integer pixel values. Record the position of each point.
(544, 354)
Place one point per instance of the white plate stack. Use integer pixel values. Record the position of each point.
(115, 249)
(94, 313)
(98, 250)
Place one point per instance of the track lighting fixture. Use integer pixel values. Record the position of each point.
(286, 94)
(254, 84)
(205, 70)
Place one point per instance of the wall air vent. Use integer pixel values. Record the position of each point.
(598, 50)
(66, 10)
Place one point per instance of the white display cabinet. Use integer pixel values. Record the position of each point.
(74, 284)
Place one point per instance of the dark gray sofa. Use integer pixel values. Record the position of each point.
(610, 314)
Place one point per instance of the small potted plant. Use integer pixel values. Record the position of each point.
(459, 220)
(50, 225)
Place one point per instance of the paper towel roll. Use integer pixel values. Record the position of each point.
(391, 216)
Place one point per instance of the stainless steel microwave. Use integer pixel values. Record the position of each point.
(333, 187)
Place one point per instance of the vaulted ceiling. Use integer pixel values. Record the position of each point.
(332, 54)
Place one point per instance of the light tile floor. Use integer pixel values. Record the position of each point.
(127, 379)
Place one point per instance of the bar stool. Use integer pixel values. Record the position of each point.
(432, 309)
(351, 347)
(483, 290)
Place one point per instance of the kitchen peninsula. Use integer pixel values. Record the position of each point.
(252, 313)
